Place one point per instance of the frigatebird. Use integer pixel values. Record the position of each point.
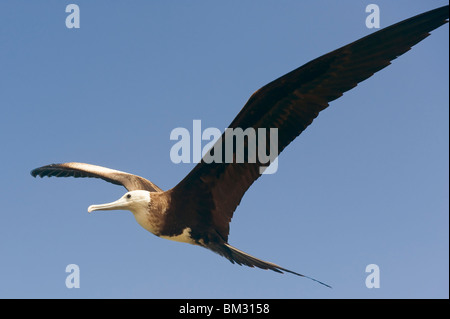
(198, 210)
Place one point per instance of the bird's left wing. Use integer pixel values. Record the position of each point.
(290, 104)
(129, 181)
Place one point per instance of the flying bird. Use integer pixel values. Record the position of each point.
(199, 209)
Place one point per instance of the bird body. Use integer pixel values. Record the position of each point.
(198, 210)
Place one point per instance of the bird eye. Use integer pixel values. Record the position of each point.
(128, 195)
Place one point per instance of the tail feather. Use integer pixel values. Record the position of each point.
(241, 258)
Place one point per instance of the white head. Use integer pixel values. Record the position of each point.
(134, 201)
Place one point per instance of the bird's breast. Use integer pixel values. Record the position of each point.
(148, 221)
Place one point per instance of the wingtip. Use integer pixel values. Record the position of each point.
(34, 172)
(37, 172)
(41, 171)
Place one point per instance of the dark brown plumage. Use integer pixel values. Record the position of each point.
(205, 200)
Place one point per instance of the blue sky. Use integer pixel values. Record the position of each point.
(367, 183)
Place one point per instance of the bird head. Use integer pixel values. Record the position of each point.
(132, 201)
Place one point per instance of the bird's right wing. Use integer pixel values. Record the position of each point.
(129, 181)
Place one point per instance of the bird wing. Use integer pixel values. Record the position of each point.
(129, 181)
(290, 104)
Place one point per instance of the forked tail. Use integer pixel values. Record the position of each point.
(237, 256)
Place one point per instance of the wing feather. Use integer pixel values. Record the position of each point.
(293, 101)
(129, 181)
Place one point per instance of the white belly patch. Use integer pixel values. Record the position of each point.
(184, 237)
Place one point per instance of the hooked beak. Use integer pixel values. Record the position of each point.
(119, 204)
